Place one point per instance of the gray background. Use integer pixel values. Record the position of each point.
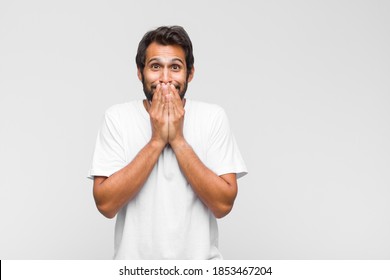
(306, 87)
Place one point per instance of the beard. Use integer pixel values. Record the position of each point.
(149, 92)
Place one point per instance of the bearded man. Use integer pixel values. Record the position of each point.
(166, 166)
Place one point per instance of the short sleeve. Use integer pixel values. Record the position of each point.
(223, 155)
(109, 154)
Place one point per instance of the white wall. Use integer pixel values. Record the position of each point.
(306, 87)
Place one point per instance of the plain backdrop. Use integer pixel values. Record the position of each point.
(306, 86)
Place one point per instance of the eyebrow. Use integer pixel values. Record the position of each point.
(157, 59)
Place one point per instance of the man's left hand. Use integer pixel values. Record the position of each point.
(175, 116)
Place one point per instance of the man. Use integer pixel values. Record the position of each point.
(166, 166)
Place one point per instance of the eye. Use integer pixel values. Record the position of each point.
(176, 67)
(155, 66)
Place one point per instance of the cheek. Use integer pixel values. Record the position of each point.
(151, 79)
(151, 76)
(179, 78)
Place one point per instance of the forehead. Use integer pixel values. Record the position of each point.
(156, 50)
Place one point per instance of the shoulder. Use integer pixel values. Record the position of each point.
(207, 116)
(123, 110)
(203, 108)
(120, 108)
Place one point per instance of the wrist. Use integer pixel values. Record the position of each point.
(157, 144)
(179, 143)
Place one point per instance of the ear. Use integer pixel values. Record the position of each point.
(191, 74)
(139, 74)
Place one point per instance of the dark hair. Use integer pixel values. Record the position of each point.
(166, 35)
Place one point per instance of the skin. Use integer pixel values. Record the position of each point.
(165, 76)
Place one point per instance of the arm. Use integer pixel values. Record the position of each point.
(216, 192)
(112, 193)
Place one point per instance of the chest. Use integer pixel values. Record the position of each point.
(138, 133)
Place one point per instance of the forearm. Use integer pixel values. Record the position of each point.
(216, 192)
(112, 193)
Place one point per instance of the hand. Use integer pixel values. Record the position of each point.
(176, 116)
(158, 112)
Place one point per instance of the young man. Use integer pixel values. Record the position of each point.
(166, 166)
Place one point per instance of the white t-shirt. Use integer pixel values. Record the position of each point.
(166, 219)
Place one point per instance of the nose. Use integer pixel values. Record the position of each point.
(165, 76)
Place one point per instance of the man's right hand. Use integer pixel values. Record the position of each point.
(158, 112)
(113, 192)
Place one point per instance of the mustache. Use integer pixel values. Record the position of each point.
(153, 87)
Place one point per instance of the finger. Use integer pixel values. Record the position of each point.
(165, 89)
(172, 89)
(166, 100)
(157, 98)
(170, 105)
(177, 107)
(175, 95)
(161, 105)
(173, 109)
(167, 106)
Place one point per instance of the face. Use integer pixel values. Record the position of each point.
(164, 64)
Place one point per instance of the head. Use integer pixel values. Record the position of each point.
(165, 56)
